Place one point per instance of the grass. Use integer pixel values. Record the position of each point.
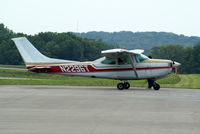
(188, 81)
(176, 81)
(13, 66)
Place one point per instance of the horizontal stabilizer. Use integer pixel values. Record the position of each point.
(40, 69)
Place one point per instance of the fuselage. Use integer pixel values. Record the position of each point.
(119, 64)
(149, 68)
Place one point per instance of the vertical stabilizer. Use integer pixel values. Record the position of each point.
(31, 55)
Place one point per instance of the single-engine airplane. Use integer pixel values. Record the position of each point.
(118, 64)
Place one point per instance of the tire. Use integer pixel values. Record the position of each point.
(120, 86)
(156, 86)
(126, 85)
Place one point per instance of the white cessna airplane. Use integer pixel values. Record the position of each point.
(118, 64)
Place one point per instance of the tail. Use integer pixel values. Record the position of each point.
(32, 56)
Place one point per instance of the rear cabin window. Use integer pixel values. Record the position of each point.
(109, 61)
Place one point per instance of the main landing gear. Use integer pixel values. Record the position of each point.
(123, 85)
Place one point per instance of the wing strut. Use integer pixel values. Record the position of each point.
(133, 66)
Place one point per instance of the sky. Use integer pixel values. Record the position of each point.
(34, 16)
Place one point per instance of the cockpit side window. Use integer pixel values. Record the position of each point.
(109, 61)
(140, 57)
(123, 60)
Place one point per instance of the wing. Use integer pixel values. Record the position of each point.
(120, 52)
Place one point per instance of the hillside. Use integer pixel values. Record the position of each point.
(144, 40)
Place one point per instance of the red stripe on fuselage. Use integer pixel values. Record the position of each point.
(87, 69)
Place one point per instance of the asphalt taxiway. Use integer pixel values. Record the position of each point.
(98, 110)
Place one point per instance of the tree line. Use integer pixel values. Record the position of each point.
(189, 57)
(55, 45)
(142, 40)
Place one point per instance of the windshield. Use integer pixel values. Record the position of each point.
(140, 57)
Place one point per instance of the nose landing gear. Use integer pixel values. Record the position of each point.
(152, 83)
(123, 85)
(156, 86)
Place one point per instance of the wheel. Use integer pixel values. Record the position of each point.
(120, 86)
(156, 86)
(126, 85)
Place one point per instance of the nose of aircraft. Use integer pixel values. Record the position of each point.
(176, 64)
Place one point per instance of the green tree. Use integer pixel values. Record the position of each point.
(189, 57)
(196, 59)
(172, 52)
